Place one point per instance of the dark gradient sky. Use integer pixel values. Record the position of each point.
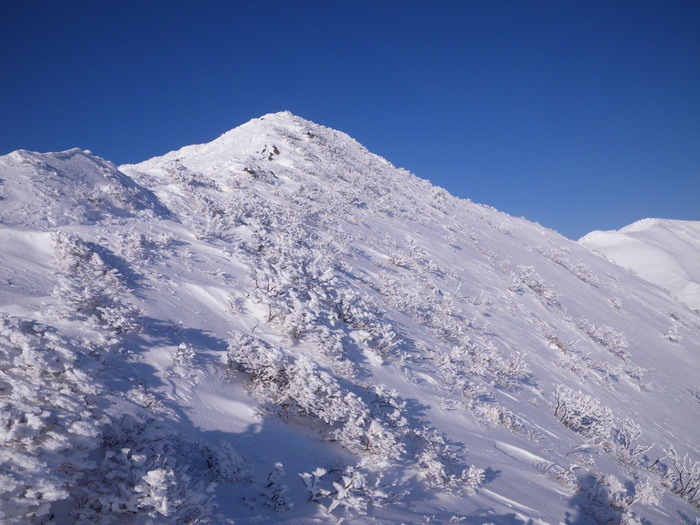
(577, 115)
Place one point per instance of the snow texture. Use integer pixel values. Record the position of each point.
(281, 327)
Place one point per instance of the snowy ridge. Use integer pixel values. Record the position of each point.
(665, 252)
(290, 329)
(71, 187)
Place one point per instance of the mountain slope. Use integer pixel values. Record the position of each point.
(306, 333)
(665, 252)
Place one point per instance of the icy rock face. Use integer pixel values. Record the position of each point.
(665, 252)
(70, 187)
(310, 334)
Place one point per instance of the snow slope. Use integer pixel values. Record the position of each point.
(283, 327)
(43, 191)
(665, 252)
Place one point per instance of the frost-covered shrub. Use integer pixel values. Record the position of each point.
(181, 361)
(582, 413)
(585, 273)
(502, 227)
(351, 308)
(608, 500)
(626, 435)
(383, 339)
(89, 288)
(527, 276)
(267, 365)
(378, 443)
(579, 269)
(352, 490)
(348, 492)
(512, 371)
(604, 498)
(226, 463)
(475, 395)
(296, 387)
(673, 334)
(441, 466)
(317, 393)
(495, 414)
(485, 361)
(556, 255)
(435, 471)
(607, 337)
(482, 302)
(49, 425)
(638, 375)
(136, 246)
(60, 455)
(616, 302)
(275, 492)
(682, 476)
(573, 364)
(328, 344)
(388, 407)
(144, 397)
(142, 471)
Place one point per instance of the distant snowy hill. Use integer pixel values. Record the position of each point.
(281, 327)
(665, 252)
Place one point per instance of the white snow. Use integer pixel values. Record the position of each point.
(281, 327)
(663, 251)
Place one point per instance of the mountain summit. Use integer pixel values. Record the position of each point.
(280, 326)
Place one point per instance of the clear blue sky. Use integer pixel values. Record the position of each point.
(579, 115)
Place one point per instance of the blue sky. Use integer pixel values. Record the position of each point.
(579, 115)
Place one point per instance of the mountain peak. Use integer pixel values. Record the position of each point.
(269, 124)
(274, 142)
(640, 225)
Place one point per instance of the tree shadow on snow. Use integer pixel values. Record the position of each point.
(591, 504)
(130, 278)
(128, 372)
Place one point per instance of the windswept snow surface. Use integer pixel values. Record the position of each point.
(71, 187)
(663, 251)
(281, 327)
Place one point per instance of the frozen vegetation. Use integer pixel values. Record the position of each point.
(281, 327)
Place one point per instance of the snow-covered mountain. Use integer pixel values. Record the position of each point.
(281, 327)
(665, 252)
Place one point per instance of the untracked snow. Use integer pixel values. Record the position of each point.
(281, 327)
(665, 252)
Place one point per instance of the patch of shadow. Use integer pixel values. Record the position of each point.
(127, 275)
(491, 475)
(593, 503)
(156, 332)
(167, 333)
(687, 520)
